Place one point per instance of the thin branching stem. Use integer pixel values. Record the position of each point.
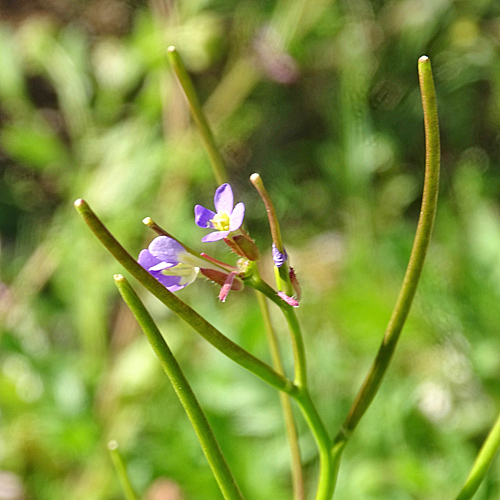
(220, 173)
(283, 272)
(326, 481)
(302, 396)
(290, 426)
(190, 316)
(299, 353)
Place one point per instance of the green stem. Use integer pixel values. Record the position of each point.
(283, 272)
(258, 183)
(220, 173)
(327, 472)
(291, 428)
(424, 229)
(255, 281)
(198, 115)
(197, 322)
(216, 460)
(121, 471)
(298, 346)
(483, 461)
(327, 467)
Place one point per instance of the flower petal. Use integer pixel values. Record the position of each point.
(166, 249)
(186, 273)
(227, 286)
(146, 260)
(237, 216)
(203, 216)
(289, 300)
(171, 283)
(164, 260)
(161, 266)
(278, 257)
(223, 199)
(215, 236)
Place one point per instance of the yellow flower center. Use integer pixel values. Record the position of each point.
(221, 221)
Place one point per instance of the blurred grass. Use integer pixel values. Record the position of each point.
(321, 98)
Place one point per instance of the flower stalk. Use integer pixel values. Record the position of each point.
(327, 472)
(249, 250)
(258, 183)
(254, 280)
(290, 426)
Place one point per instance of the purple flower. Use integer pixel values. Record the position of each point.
(226, 220)
(174, 267)
(278, 257)
(169, 262)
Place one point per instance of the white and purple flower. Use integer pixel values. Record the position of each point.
(169, 262)
(174, 267)
(226, 220)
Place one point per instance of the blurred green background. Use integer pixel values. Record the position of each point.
(321, 98)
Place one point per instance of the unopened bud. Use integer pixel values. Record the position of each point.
(220, 278)
(243, 246)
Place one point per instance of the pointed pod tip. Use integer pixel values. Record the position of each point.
(256, 180)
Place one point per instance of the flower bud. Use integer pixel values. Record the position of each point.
(244, 246)
(220, 278)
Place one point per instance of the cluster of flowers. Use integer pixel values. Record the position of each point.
(175, 266)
